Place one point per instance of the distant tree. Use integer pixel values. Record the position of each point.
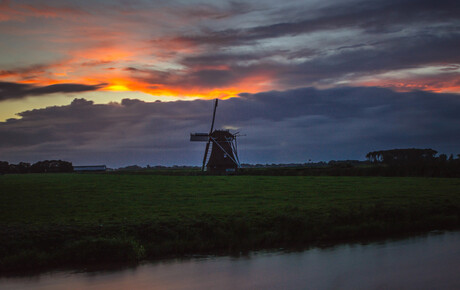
(51, 166)
(22, 167)
(131, 167)
(442, 158)
(4, 167)
(400, 156)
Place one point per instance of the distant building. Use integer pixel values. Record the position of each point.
(88, 168)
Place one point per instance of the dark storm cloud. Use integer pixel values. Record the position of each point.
(289, 126)
(62, 88)
(9, 90)
(394, 54)
(375, 16)
(218, 58)
(214, 12)
(424, 49)
(390, 36)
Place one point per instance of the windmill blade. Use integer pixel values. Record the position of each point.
(205, 155)
(213, 117)
(235, 151)
(209, 136)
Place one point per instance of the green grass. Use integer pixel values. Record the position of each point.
(45, 217)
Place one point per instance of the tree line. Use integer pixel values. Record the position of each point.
(394, 162)
(46, 166)
(415, 162)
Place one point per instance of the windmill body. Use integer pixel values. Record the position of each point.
(224, 155)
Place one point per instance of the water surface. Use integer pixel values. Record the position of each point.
(424, 262)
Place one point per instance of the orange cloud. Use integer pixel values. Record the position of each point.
(11, 11)
(431, 85)
(116, 81)
(102, 55)
(250, 84)
(93, 54)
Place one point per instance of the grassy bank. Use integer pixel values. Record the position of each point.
(68, 220)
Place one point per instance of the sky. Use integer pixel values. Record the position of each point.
(125, 82)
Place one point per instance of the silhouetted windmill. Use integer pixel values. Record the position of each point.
(224, 155)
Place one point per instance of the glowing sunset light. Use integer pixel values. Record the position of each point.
(117, 88)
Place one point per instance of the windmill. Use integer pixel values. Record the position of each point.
(224, 155)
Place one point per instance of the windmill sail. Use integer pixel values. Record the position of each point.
(199, 137)
(209, 136)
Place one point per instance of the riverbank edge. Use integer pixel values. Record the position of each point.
(35, 249)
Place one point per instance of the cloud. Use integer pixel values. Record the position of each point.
(374, 17)
(9, 90)
(288, 126)
(387, 56)
(24, 71)
(11, 11)
(209, 11)
(222, 48)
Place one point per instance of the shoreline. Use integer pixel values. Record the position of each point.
(135, 253)
(120, 266)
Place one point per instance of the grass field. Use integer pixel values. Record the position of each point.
(55, 220)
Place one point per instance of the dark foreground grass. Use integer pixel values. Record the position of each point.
(74, 220)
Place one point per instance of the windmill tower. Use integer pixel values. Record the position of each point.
(224, 155)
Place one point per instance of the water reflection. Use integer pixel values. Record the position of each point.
(429, 262)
